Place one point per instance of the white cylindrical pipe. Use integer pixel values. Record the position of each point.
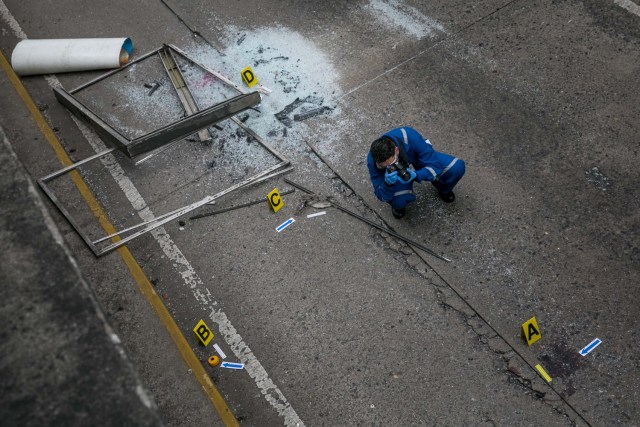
(65, 55)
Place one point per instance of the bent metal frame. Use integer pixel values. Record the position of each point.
(155, 141)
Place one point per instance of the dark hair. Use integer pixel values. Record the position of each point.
(382, 148)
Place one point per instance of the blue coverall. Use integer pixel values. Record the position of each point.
(442, 170)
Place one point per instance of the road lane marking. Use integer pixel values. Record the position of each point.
(190, 278)
(629, 5)
(134, 268)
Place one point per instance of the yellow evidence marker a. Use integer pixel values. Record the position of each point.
(203, 333)
(275, 201)
(531, 330)
(249, 77)
(543, 373)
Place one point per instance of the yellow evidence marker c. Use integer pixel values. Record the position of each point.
(203, 333)
(249, 77)
(275, 200)
(531, 331)
(214, 361)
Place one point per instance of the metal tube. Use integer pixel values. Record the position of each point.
(186, 209)
(232, 208)
(75, 165)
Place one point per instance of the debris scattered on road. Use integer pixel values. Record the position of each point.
(317, 201)
(590, 347)
(311, 113)
(285, 224)
(315, 101)
(230, 365)
(243, 205)
(597, 178)
(153, 86)
(316, 214)
(373, 224)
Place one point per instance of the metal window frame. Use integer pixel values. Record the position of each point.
(134, 147)
(190, 124)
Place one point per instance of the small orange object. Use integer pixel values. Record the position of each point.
(214, 361)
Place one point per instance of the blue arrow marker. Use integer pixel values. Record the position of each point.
(593, 344)
(230, 365)
(285, 224)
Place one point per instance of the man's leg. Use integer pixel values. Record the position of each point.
(448, 180)
(400, 201)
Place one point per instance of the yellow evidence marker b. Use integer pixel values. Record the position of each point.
(249, 77)
(203, 333)
(275, 201)
(531, 331)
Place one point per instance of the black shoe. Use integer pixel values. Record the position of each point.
(447, 197)
(398, 213)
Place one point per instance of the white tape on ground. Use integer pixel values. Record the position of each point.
(180, 263)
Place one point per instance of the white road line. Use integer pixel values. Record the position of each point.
(191, 279)
(629, 5)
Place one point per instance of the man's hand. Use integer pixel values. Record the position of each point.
(412, 176)
(390, 177)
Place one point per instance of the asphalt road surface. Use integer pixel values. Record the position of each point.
(335, 321)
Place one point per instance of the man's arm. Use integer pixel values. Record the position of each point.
(381, 189)
(422, 153)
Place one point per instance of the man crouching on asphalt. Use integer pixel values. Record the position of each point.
(389, 162)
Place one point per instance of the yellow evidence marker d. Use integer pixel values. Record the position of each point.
(249, 77)
(531, 331)
(203, 333)
(275, 201)
(213, 361)
(543, 373)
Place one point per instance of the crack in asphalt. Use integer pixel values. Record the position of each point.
(460, 309)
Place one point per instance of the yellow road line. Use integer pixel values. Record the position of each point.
(134, 268)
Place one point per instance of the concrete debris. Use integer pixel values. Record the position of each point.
(311, 113)
(283, 115)
(597, 178)
(153, 86)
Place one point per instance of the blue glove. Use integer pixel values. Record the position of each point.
(390, 177)
(412, 176)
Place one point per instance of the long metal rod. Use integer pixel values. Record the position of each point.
(184, 210)
(204, 67)
(264, 178)
(75, 165)
(119, 232)
(240, 206)
(373, 224)
(258, 138)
